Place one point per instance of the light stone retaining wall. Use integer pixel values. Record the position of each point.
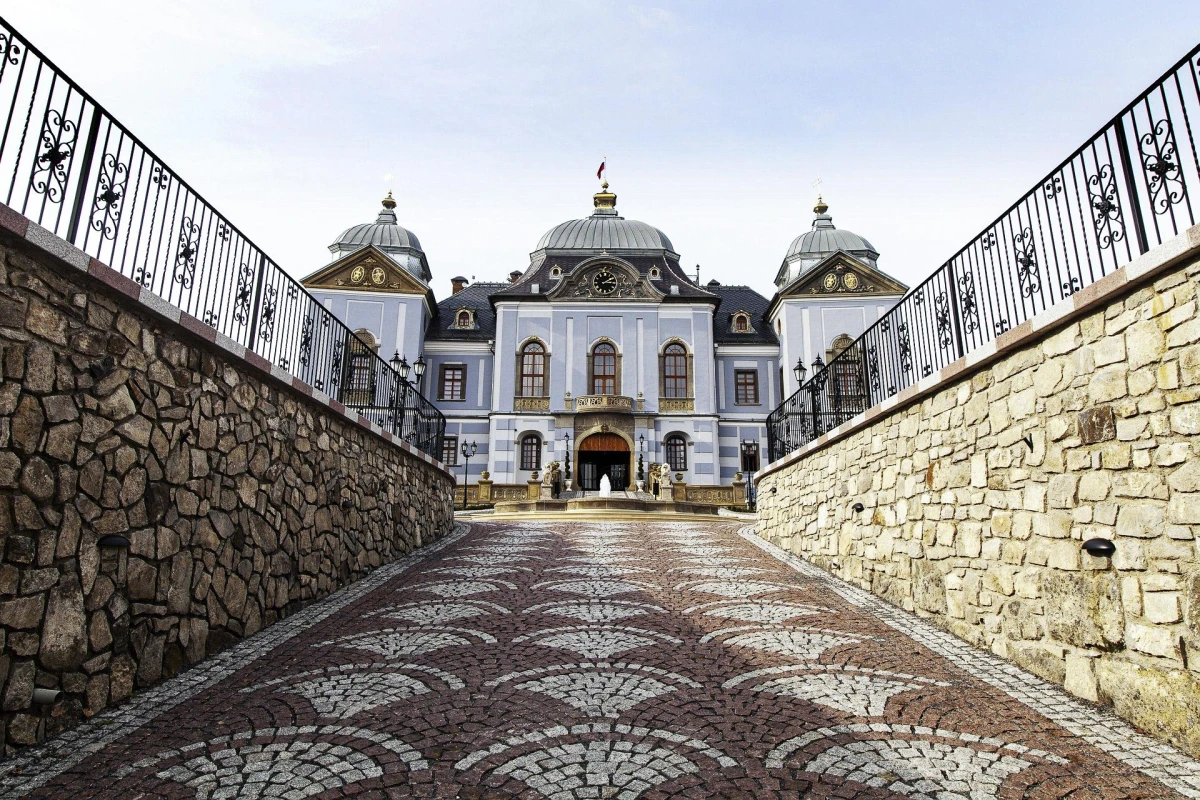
(245, 495)
(980, 485)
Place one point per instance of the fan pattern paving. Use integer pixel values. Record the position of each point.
(607, 660)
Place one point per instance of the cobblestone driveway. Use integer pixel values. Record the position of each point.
(587, 660)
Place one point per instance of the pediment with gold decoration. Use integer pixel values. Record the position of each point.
(367, 270)
(842, 274)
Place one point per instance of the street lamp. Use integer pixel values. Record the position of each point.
(419, 370)
(800, 370)
(467, 450)
(567, 464)
(750, 466)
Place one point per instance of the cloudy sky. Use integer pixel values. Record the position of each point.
(924, 120)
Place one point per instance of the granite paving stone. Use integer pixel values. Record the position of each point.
(615, 659)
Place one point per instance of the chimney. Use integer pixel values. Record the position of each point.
(514, 276)
(459, 283)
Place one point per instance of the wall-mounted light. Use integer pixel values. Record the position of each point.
(113, 540)
(347, 502)
(1100, 548)
(46, 697)
(857, 508)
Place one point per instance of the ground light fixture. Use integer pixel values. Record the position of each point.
(1100, 548)
(857, 508)
(113, 540)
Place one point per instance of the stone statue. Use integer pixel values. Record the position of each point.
(605, 486)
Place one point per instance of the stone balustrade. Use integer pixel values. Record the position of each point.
(603, 402)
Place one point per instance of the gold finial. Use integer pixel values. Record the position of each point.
(821, 206)
(604, 199)
(388, 202)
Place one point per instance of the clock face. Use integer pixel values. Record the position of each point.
(604, 282)
(357, 274)
(831, 281)
(851, 281)
(378, 275)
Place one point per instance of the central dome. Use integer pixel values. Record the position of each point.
(605, 230)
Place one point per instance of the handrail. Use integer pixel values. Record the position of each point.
(75, 170)
(1122, 192)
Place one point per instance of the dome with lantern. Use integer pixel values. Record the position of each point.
(387, 235)
(814, 246)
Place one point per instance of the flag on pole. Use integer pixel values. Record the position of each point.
(600, 172)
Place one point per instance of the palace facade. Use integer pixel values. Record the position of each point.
(602, 347)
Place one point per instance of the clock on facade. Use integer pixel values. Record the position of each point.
(378, 276)
(604, 282)
(850, 280)
(357, 274)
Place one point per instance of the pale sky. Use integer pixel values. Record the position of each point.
(924, 120)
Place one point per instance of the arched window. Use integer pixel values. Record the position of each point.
(358, 388)
(675, 371)
(741, 324)
(604, 369)
(463, 319)
(676, 452)
(531, 451)
(533, 370)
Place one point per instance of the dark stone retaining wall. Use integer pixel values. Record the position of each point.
(243, 497)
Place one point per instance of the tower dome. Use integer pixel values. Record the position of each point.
(814, 246)
(605, 231)
(387, 235)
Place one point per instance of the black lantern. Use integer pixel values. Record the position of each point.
(419, 367)
(800, 370)
(395, 362)
(402, 368)
(641, 473)
(467, 450)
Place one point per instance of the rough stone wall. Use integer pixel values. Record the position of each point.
(977, 500)
(242, 500)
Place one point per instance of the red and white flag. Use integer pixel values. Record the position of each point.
(600, 172)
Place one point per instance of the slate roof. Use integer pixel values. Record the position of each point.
(539, 272)
(601, 232)
(733, 300)
(475, 297)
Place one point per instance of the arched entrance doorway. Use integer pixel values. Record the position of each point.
(603, 454)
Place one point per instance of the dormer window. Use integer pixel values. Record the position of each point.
(740, 322)
(654, 273)
(556, 272)
(464, 318)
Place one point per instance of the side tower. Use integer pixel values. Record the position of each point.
(378, 285)
(829, 289)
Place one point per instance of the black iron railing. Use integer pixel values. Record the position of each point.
(1124, 191)
(73, 169)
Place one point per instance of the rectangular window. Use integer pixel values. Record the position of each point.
(450, 451)
(745, 382)
(453, 382)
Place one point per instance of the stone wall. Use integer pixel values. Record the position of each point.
(977, 495)
(242, 498)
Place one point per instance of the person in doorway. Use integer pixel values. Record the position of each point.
(605, 486)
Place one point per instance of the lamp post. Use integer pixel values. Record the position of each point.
(567, 464)
(419, 370)
(800, 371)
(467, 450)
(750, 448)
